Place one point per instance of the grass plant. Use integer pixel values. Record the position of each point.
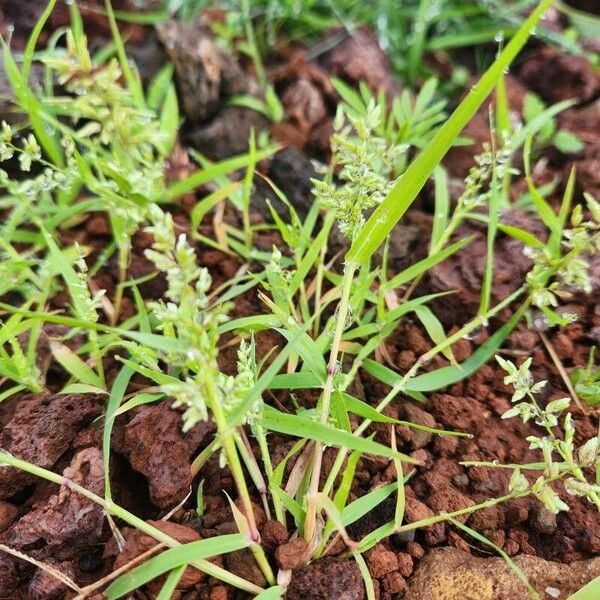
(94, 141)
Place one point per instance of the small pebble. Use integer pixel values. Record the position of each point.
(543, 521)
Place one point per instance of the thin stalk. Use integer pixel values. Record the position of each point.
(92, 587)
(227, 442)
(53, 571)
(116, 511)
(457, 513)
(253, 468)
(259, 433)
(118, 299)
(561, 369)
(227, 439)
(319, 290)
(255, 53)
(340, 325)
(203, 457)
(425, 358)
(97, 354)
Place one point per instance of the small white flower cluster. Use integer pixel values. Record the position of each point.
(108, 109)
(556, 277)
(570, 468)
(190, 317)
(89, 303)
(487, 164)
(366, 162)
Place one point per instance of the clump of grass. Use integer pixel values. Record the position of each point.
(329, 323)
(573, 462)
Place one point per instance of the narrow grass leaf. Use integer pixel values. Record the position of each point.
(511, 563)
(366, 411)
(71, 278)
(273, 593)
(441, 205)
(291, 381)
(312, 254)
(159, 86)
(214, 171)
(173, 558)
(543, 208)
(446, 376)
(139, 400)
(169, 120)
(405, 190)
(33, 38)
(435, 330)
(74, 365)
(170, 584)
(493, 217)
(361, 506)
(425, 264)
(366, 575)
(307, 349)
(204, 206)
(299, 426)
(523, 236)
(31, 105)
(290, 504)
(133, 81)
(116, 396)
(554, 242)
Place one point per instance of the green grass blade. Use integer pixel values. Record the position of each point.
(366, 575)
(169, 120)
(74, 365)
(445, 376)
(273, 593)
(74, 283)
(440, 378)
(511, 563)
(116, 397)
(590, 591)
(133, 82)
(442, 205)
(300, 426)
(214, 171)
(173, 558)
(554, 242)
(435, 330)
(494, 215)
(205, 205)
(152, 340)
(401, 196)
(291, 381)
(523, 236)
(31, 106)
(170, 584)
(33, 38)
(424, 265)
(307, 349)
(361, 506)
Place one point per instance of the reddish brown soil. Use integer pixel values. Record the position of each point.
(151, 456)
